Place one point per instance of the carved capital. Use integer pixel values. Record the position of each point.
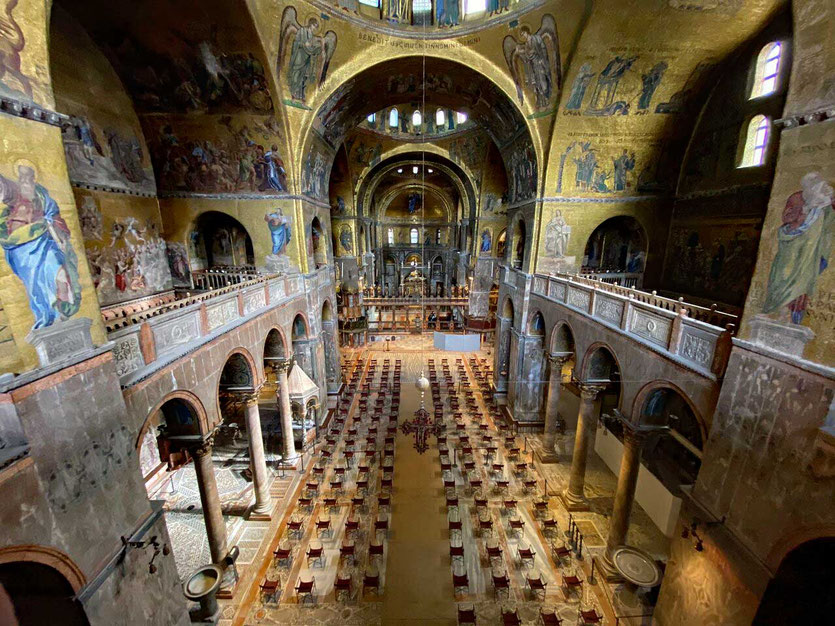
(589, 391)
(199, 450)
(241, 397)
(282, 365)
(559, 359)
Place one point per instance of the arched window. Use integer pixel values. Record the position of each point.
(421, 9)
(460, 117)
(767, 71)
(474, 6)
(417, 119)
(756, 141)
(391, 236)
(393, 118)
(438, 236)
(440, 118)
(413, 236)
(372, 118)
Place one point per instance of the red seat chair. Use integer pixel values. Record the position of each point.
(271, 589)
(549, 619)
(466, 614)
(371, 581)
(501, 584)
(589, 617)
(460, 581)
(283, 554)
(511, 618)
(537, 586)
(342, 585)
(305, 589)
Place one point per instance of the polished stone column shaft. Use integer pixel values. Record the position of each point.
(284, 409)
(257, 460)
(210, 500)
(586, 426)
(630, 464)
(553, 403)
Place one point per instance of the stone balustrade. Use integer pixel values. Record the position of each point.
(150, 339)
(711, 315)
(415, 301)
(665, 325)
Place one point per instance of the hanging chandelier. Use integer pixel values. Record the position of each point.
(421, 426)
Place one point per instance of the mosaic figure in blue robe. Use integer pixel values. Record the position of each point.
(36, 241)
(279, 230)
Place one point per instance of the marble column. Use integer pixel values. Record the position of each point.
(630, 464)
(553, 402)
(210, 499)
(257, 460)
(284, 409)
(573, 497)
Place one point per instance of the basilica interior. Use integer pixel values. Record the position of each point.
(417, 312)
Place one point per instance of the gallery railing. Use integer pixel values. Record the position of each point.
(216, 278)
(161, 334)
(415, 301)
(695, 336)
(632, 280)
(710, 315)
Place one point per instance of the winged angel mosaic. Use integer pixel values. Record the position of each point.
(534, 61)
(310, 53)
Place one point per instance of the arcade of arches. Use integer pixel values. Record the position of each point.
(417, 311)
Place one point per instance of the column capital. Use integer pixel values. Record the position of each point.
(559, 358)
(242, 397)
(589, 391)
(199, 450)
(636, 434)
(282, 365)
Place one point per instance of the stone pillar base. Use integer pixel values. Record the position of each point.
(607, 568)
(256, 516)
(228, 585)
(573, 503)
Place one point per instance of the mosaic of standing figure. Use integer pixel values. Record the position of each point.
(37, 246)
(804, 244)
(534, 61)
(13, 82)
(310, 53)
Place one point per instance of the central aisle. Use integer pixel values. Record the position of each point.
(418, 583)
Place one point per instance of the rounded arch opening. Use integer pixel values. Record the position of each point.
(40, 594)
(601, 367)
(801, 590)
(616, 246)
(562, 343)
(674, 458)
(220, 241)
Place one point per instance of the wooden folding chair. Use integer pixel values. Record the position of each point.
(283, 554)
(342, 585)
(456, 552)
(304, 590)
(501, 583)
(511, 618)
(571, 583)
(372, 581)
(549, 619)
(271, 589)
(466, 614)
(537, 586)
(460, 581)
(589, 617)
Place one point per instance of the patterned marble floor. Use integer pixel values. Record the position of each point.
(416, 570)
